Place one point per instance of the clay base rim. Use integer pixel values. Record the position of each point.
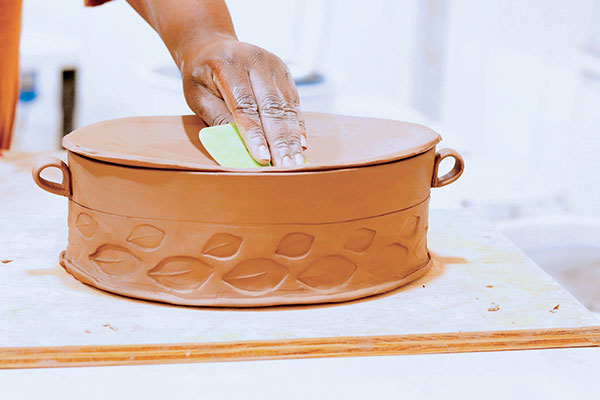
(249, 302)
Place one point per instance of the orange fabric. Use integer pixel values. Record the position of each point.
(10, 29)
(92, 3)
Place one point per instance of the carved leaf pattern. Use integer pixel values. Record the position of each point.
(295, 244)
(327, 272)
(222, 245)
(360, 240)
(86, 224)
(115, 260)
(410, 226)
(181, 272)
(390, 262)
(256, 275)
(420, 249)
(146, 236)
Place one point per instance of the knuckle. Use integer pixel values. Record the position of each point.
(276, 108)
(294, 142)
(196, 74)
(285, 142)
(272, 106)
(228, 61)
(280, 142)
(218, 65)
(275, 59)
(302, 124)
(287, 74)
(258, 56)
(220, 119)
(294, 104)
(246, 106)
(291, 112)
(244, 102)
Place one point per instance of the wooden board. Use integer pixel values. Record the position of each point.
(81, 356)
(47, 318)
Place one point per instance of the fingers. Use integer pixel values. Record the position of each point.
(287, 87)
(234, 85)
(279, 117)
(212, 109)
(261, 97)
(302, 124)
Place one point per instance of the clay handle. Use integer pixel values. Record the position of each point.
(454, 174)
(63, 188)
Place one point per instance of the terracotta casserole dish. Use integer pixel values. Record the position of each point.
(152, 216)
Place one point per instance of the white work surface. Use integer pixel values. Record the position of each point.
(42, 305)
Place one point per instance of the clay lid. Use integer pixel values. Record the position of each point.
(334, 141)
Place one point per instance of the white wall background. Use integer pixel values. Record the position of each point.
(515, 85)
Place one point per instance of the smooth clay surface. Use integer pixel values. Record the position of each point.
(172, 142)
(249, 238)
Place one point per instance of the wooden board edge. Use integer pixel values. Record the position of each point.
(453, 342)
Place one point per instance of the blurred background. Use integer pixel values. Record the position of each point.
(513, 85)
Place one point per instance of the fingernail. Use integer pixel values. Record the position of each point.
(286, 161)
(263, 153)
(298, 159)
(303, 142)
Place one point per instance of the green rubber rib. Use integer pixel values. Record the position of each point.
(226, 146)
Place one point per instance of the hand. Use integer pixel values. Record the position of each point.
(227, 81)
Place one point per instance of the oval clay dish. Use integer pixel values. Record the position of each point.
(152, 216)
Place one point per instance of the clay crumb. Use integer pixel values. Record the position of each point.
(489, 286)
(555, 308)
(7, 261)
(494, 307)
(109, 326)
(87, 331)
